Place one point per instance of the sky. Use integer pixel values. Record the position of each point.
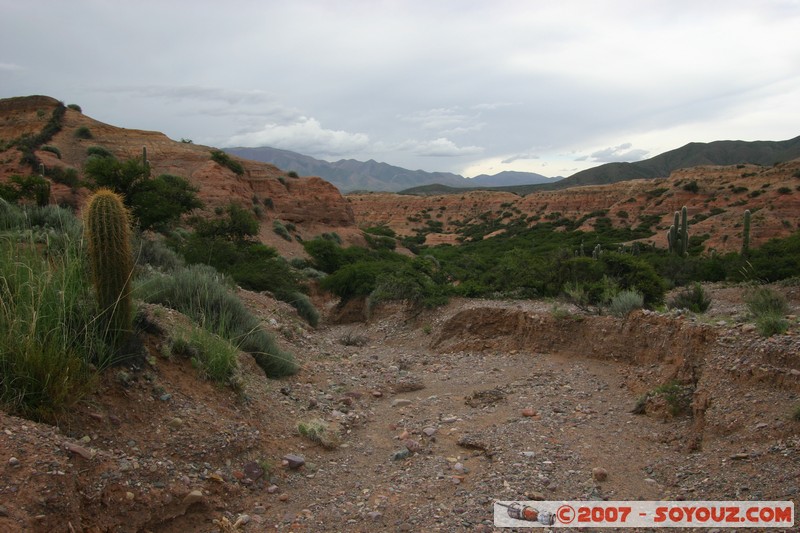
(462, 86)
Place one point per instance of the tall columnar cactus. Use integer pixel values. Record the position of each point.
(678, 234)
(145, 162)
(746, 233)
(108, 234)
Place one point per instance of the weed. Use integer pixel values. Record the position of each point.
(320, 432)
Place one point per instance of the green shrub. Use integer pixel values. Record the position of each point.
(770, 324)
(280, 229)
(200, 292)
(226, 161)
(52, 150)
(763, 301)
(304, 307)
(626, 301)
(292, 174)
(75, 107)
(98, 151)
(83, 132)
(155, 254)
(694, 299)
(319, 431)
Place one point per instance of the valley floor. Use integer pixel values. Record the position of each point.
(440, 414)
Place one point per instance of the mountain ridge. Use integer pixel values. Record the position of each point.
(352, 175)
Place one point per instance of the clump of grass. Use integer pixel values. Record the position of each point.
(225, 160)
(625, 302)
(678, 399)
(50, 341)
(694, 299)
(281, 230)
(769, 309)
(200, 292)
(320, 432)
(351, 338)
(215, 357)
(83, 133)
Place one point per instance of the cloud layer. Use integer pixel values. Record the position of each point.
(546, 86)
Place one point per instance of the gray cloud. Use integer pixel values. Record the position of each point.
(306, 136)
(10, 67)
(621, 153)
(519, 157)
(441, 147)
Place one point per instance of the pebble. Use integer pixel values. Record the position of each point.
(165, 397)
(193, 497)
(129, 496)
(243, 519)
(413, 446)
(13, 461)
(272, 489)
(175, 423)
(284, 497)
(429, 432)
(400, 402)
(599, 474)
(449, 419)
(253, 471)
(375, 515)
(294, 461)
(529, 412)
(377, 393)
(3, 511)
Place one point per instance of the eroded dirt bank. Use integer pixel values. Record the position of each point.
(440, 415)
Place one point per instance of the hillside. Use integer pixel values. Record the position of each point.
(352, 175)
(313, 205)
(762, 153)
(716, 197)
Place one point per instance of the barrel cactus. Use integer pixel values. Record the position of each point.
(107, 224)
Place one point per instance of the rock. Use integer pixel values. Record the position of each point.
(242, 520)
(13, 461)
(740, 456)
(375, 515)
(401, 402)
(429, 432)
(196, 496)
(401, 454)
(449, 419)
(475, 442)
(284, 497)
(535, 496)
(599, 474)
(129, 496)
(747, 328)
(413, 446)
(294, 461)
(259, 509)
(272, 489)
(528, 412)
(79, 450)
(377, 393)
(3, 511)
(528, 454)
(165, 397)
(175, 423)
(253, 471)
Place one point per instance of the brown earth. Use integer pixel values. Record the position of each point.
(771, 194)
(497, 400)
(312, 204)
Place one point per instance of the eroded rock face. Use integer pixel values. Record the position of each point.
(716, 207)
(312, 204)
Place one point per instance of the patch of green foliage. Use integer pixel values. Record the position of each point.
(226, 161)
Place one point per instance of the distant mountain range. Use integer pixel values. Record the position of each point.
(765, 153)
(351, 175)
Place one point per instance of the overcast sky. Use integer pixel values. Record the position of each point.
(454, 85)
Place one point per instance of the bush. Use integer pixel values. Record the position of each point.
(764, 301)
(98, 151)
(225, 160)
(52, 150)
(280, 229)
(83, 133)
(75, 107)
(199, 292)
(319, 431)
(769, 309)
(694, 299)
(626, 301)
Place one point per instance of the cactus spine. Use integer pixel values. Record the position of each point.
(678, 235)
(111, 261)
(746, 233)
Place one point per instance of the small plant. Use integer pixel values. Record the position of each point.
(83, 132)
(796, 414)
(427, 329)
(215, 357)
(351, 338)
(769, 309)
(625, 302)
(691, 187)
(98, 151)
(320, 432)
(292, 174)
(75, 107)
(694, 299)
(281, 230)
(678, 398)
